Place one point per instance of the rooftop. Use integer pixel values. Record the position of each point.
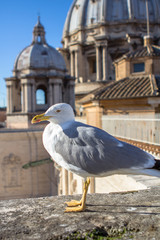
(132, 87)
(144, 51)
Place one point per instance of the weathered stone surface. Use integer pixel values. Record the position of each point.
(134, 215)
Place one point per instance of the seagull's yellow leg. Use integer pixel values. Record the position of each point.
(79, 206)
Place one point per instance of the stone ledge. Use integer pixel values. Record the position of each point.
(132, 215)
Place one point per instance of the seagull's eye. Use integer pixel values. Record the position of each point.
(58, 110)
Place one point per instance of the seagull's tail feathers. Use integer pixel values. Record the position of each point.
(150, 172)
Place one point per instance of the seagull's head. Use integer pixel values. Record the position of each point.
(58, 114)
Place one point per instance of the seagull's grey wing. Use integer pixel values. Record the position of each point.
(95, 151)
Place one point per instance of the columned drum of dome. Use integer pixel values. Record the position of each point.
(96, 32)
(40, 79)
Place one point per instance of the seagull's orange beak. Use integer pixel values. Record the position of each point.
(40, 118)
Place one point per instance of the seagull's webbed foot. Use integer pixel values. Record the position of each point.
(79, 206)
(74, 203)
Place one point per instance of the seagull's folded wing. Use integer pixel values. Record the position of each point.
(96, 152)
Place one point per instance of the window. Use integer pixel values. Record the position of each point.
(92, 65)
(39, 39)
(40, 97)
(138, 67)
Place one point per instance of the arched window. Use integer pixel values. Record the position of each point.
(41, 96)
(39, 39)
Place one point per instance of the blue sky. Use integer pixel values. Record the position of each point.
(17, 19)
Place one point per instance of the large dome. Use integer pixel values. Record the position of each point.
(39, 55)
(88, 13)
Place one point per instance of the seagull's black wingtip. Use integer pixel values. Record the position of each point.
(157, 164)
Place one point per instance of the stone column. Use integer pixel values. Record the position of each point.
(57, 91)
(76, 67)
(22, 98)
(70, 183)
(60, 90)
(9, 98)
(27, 107)
(92, 185)
(64, 181)
(105, 62)
(28, 97)
(72, 63)
(31, 88)
(51, 102)
(99, 63)
(72, 93)
(12, 94)
(33, 96)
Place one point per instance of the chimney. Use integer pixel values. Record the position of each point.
(148, 40)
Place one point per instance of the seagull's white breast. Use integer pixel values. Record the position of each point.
(51, 136)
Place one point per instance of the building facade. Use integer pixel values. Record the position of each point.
(97, 32)
(127, 108)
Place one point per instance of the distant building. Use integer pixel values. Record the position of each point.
(137, 86)
(96, 33)
(40, 79)
(128, 108)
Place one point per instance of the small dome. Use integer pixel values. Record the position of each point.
(39, 54)
(87, 13)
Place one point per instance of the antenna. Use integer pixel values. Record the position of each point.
(147, 14)
(38, 16)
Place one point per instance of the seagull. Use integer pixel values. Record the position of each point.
(89, 151)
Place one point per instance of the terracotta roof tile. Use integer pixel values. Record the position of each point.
(133, 87)
(150, 50)
(127, 88)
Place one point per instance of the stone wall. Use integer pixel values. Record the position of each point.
(133, 215)
(144, 128)
(2, 115)
(18, 148)
(93, 116)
